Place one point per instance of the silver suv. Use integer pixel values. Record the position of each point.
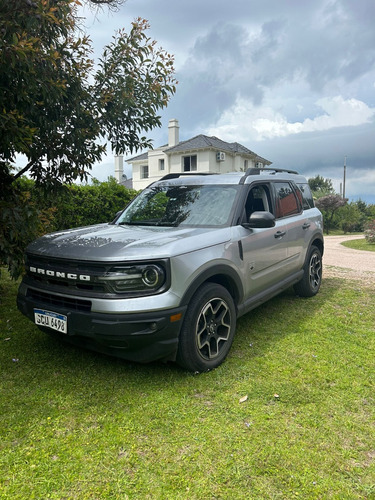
(168, 278)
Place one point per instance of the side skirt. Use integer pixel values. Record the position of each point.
(265, 295)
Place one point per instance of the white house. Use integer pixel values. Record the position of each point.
(199, 154)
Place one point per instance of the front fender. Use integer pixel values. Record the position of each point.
(223, 275)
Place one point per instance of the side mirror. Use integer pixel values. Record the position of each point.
(260, 220)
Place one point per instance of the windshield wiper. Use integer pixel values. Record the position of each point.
(148, 223)
(166, 224)
(136, 223)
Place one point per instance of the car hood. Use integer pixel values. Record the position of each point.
(109, 242)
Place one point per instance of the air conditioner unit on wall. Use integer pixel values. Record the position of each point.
(220, 156)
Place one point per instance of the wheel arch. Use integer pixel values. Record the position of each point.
(317, 242)
(222, 275)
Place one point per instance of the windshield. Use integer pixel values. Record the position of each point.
(181, 206)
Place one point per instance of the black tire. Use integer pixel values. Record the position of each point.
(312, 278)
(208, 330)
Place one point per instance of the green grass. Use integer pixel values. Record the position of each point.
(359, 245)
(78, 425)
(340, 232)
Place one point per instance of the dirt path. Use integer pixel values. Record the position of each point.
(340, 261)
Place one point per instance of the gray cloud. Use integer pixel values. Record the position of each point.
(282, 57)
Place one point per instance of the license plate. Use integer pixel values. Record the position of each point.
(51, 319)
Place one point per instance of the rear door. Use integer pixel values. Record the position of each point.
(289, 210)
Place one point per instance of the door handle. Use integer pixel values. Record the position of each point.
(280, 234)
(306, 225)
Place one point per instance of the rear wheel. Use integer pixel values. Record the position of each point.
(208, 329)
(312, 278)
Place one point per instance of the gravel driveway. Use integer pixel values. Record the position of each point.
(343, 262)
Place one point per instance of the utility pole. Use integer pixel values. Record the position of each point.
(343, 191)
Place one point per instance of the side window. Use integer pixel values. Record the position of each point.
(307, 197)
(286, 200)
(258, 200)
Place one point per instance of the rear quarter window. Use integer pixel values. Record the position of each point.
(307, 197)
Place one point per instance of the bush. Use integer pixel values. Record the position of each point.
(370, 232)
(27, 212)
(349, 227)
(83, 205)
(21, 221)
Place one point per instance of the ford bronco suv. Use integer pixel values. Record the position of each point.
(168, 278)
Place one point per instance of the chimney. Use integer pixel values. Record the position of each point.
(119, 168)
(173, 132)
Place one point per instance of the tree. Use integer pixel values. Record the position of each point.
(328, 205)
(351, 218)
(55, 109)
(58, 110)
(111, 3)
(320, 186)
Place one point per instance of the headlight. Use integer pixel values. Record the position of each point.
(139, 278)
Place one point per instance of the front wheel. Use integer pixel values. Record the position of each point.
(208, 330)
(312, 278)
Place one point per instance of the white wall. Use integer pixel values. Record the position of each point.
(206, 162)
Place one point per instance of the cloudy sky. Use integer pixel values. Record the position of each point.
(292, 80)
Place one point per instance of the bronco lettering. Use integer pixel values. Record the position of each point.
(60, 274)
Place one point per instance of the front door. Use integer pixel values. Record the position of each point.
(264, 250)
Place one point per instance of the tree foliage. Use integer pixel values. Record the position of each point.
(114, 4)
(328, 205)
(32, 212)
(320, 186)
(22, 219)
(350, 218)
(58, 109)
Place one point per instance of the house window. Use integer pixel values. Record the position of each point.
(161, 164)
(144, 172)
(190, 163)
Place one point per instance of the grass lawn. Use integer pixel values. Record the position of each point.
(340, 232)
(79, 425)
(359, 245)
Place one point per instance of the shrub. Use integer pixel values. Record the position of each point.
(83, 205)
(21, 221)
(349, 227)
(370, 232)
(27, 212)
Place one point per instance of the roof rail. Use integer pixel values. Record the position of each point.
(258, 171)
(180, 174)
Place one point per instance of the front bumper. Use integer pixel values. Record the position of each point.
(141, 337)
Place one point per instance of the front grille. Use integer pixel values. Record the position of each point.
(50, 300)
(55, 270)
